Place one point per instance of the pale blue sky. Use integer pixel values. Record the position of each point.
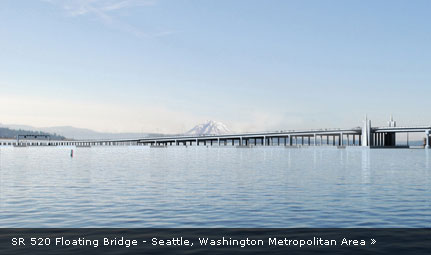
(166, 65)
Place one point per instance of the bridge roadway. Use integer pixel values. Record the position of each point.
(359, 136)
(379, 137)
(287, 138)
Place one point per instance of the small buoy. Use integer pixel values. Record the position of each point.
(71, 153)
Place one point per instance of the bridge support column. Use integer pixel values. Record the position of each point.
(373, 139)
(427, 139)
(314, 139)
(366, 135)
(340, 142)
(218, 140)
(407, 138)
(378, 139)
(264, 141)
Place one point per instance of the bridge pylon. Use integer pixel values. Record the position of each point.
(366, 133)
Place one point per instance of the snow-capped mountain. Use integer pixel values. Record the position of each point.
(209, 128)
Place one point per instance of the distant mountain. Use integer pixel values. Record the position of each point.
(12, 133)
(209, 128)
(81, 133)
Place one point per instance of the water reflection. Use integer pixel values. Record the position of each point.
(427, 158)
(365, 164)
(314, 157)
(289, 159)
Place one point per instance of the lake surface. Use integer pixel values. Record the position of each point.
(214, 187)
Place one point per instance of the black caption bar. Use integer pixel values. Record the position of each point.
(214, 241)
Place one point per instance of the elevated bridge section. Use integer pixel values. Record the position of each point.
(366, 136)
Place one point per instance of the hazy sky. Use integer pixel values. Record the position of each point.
(166, 65)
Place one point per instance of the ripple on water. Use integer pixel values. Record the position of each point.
(214, 187)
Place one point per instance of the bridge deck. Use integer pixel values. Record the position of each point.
(378, 137)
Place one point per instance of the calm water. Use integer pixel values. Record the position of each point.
(214, 187)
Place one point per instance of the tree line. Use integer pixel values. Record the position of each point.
(12, 133)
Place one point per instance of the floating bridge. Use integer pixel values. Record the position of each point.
(367, 136)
